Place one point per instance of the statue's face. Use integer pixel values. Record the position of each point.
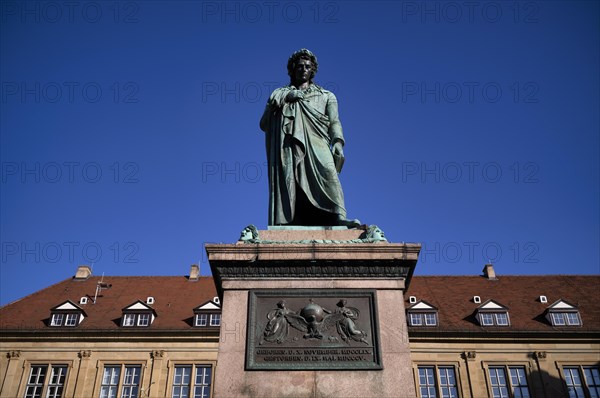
(303, 71)
(246, 234)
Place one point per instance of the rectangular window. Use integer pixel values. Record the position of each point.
(57, 319)
(415, 319)
(448, 386)
(592, 379)
(430, 319)
(498, 383)
(127, 377)
(71, 320)
(422, 318)
(110, 381)
(201, 319)
(486, 319)
(518, 382)
(198, 386)
(501, 319)
(36, 384)
(494, 318)
(558, 319)
(131, 382)
(565, 318)
(437, 381)
(572, 318)
(577, 385)
(128, 319)
(143, 320)
(57, 382)
(215, 319)
(181, 382)
(514, 386)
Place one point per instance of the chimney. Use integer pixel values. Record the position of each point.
(83, 272)
(488, 272)
(194, 272)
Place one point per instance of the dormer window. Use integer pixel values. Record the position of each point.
(66, 314)
(422, 314)
(207, 314)
(138, 314)
(562, 313)
(491, 313)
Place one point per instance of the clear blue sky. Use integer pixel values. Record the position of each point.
(129, 130)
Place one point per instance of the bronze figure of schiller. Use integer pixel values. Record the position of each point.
(312, 330)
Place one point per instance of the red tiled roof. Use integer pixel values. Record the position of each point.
(175, 300)
(453, 296)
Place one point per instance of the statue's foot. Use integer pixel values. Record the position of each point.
(348, 223)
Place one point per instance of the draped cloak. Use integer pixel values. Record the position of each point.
(299, 136)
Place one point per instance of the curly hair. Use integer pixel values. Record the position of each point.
(302, 54)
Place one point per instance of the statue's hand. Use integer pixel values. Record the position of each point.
(338, 149)
(338, 156)
(294, 96)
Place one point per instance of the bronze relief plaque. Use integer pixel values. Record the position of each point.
(305, 329)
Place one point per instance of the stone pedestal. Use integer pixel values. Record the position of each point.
(323, 265)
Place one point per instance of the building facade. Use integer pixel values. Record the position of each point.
(154, 336)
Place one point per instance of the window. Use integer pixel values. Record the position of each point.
(57, 319)
(514, 386)
(198, 386)
(141, 319)
(437, 381)
(71, 320)
(215, 319)
(63, 319)
(565, 318)
(493, 318)
(66, 314)
(576, 384)
(57, 382)
(422, 318)
(36, 384)
(112, 380)
(201, 319)
(563, 313)
(207, 319)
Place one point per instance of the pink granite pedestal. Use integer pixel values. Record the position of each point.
(313, 259)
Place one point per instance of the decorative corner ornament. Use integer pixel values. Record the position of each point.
(84, 354)
(157, 354)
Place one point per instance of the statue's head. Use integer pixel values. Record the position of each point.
(249, 233)
(297, 56)
(375, 234)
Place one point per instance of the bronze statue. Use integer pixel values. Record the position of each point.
(304, 142)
